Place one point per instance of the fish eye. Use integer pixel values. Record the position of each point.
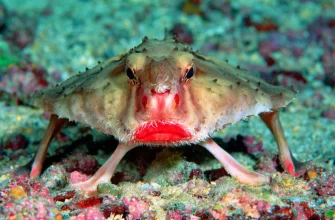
(189, 73)
(130, 74)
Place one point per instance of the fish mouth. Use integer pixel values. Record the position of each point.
(161, 132)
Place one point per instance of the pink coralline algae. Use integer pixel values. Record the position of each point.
(82, 163)
(266, 26)
(182, 33)
(328, 62)
(23, 80)
(237, 201)
(245, 144)
(196, 173)
(110, 207)
(88, 214)
(287, 78)
(203, 214)
(324, 186)
(30, 208)
(287, 44)
(180, 212)
(329, 113)
(268, 164)
(20, 30)
(31, 187)
(137, 208)
(76, 177)
(316, 100)
(16, 142)
(267, 47)
(322, 31)
(24, 199)
(293, 211)
(253, 146)
(176, 215)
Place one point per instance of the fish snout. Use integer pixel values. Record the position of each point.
(160, 104)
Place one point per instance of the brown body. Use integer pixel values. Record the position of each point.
(161, 93)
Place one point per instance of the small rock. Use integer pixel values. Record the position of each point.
(76, 177)
(55, 177)
(108, 188)
(16, 142)
(329, 113)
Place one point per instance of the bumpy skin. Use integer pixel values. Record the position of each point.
(162, 93)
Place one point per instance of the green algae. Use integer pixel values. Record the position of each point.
(330, 213)
(217, 207)
(108, 188)
(6, 57)
(169, 168)
(177, 206)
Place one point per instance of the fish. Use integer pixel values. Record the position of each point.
(162, 93)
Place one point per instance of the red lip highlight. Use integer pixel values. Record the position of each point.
(159, 131)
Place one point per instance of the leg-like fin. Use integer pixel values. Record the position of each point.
(289, 163)
(105, 173)
(233, 167)
(55, 125)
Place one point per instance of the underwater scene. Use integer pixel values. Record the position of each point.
(185, 109)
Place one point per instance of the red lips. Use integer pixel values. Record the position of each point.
(159, 131)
